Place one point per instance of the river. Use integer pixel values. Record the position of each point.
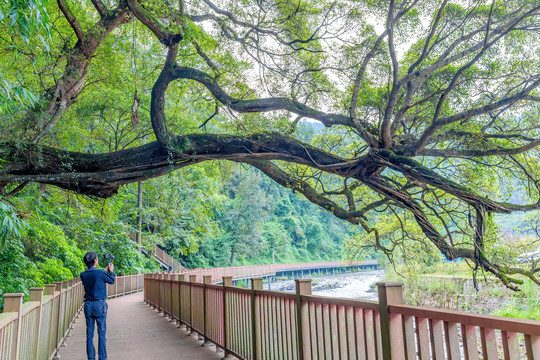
(350, 285)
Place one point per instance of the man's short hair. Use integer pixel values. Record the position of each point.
(90, 258)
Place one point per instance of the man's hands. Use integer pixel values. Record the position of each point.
(109, 267)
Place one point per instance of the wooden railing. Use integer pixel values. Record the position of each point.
(37, 328)
(263, 324)
(249, 271)
(166, 258)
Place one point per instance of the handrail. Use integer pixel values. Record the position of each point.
(523, 326)
(248, 271)
(37, 328)
(259, 324)
(166, 258)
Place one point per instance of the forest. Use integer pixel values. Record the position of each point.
(234, 131)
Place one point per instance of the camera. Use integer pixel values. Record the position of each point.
(109, 258)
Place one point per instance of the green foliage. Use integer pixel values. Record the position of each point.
(27, 19)
(11, 223)
(260, 222)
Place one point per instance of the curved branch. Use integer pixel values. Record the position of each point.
(157, 101)
(166, 37)
(412, 169)
(102, 174)
(71, 19)
(480, 153)
(523, 95)
(263, 104)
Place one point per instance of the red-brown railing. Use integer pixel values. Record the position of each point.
(166, 258)
(456, 335)
(37, 328)
(249, 271)
(263, 324)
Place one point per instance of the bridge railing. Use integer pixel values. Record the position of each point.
(166, 258)
(456, 333)
(249, 271)
(262, 324)
(36, 329)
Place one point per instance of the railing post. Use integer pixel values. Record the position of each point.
(49, 291)
(145, 288)
(180, 277)
(116, 287)
(13, 303)
(391, 293)
(65, 285)
(303, 287)
(160, 292)
(192, 279)
(256, 284)
(36, 294)
(58, 287)
(207, 279)
(167, 292)
(227, 281)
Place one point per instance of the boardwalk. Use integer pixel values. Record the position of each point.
(135, 331)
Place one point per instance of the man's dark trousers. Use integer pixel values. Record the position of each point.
(96, 312)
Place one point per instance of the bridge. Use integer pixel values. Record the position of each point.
(178, 312)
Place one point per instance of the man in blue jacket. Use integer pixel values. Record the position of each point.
(95, 308)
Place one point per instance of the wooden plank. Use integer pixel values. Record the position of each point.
(294, 327)
(359, 334)
(342, 333)
(422, 338)
(289, 330)
(334, 331)
(436, 337)
(349, 316)
(510, 345)
(452, 341)
(313, 331)
(489, 344)
(378, 340)
(532, 344)
(320, 331)
(327, 331)
(409, 336)
(468, 335)
(282, 327)
(369, 335)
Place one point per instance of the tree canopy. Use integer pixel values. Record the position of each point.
(430, 107)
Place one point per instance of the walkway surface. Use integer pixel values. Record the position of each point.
(135, 331)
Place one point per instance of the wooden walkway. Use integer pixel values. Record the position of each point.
(135, 331)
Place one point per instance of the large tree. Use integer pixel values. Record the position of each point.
(430, 106)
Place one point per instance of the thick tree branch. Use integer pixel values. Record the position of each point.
(414, 170)
(71, 19)
(451, 152)
(264, 104)
(164, 36)
(157, 103)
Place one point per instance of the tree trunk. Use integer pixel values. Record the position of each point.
(232, 255)
(139, 215)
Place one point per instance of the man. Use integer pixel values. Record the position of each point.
(95, 308)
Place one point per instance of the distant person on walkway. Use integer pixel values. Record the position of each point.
(95, 308)
(170, 268)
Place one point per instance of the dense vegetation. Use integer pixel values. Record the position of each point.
(207, 215)
(430, 111)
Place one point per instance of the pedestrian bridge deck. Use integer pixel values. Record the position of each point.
(136, 331)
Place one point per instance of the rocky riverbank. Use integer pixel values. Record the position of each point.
(352, 285)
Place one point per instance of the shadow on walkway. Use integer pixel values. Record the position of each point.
(135, 331)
